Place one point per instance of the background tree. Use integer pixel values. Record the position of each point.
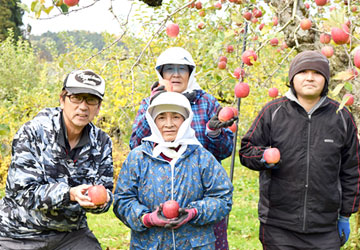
(10, 18)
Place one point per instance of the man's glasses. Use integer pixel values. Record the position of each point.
(78, 99)
(176, 68)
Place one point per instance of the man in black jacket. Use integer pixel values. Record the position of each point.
(306, 198)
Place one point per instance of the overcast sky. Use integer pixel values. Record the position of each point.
(95, 19)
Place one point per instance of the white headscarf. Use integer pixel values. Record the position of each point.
(185, 136)
(178, 55)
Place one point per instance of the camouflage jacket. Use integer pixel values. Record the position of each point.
(37, 200)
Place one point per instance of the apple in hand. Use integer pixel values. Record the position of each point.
(97, 194)
(226, 114)
(272, 155)
(170, 209)
(168, 85)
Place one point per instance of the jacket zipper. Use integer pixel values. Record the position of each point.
(307, 173)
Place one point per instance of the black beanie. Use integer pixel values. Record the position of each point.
(310, 60)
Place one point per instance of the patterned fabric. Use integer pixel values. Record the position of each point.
(144, 182)
(37, 198)
(204, 107)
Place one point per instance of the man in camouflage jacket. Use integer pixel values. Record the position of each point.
(56, 157)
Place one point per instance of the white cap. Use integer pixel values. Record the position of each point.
(169, 108)
(85, 81)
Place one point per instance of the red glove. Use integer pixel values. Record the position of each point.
(185, 215)
(155, 219)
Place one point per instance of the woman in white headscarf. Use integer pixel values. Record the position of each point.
(171, 164)
(177, 65)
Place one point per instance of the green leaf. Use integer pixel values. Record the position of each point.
(337, 89)
(342, 104)
(348, 86)
(64, 8)
(48, 10)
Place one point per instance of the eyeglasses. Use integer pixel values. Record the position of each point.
(176, 68)
(78, 99)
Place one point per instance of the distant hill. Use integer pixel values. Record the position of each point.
(58, 40)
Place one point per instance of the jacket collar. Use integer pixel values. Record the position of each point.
(290, 95)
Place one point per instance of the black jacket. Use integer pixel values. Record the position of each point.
(319, 172)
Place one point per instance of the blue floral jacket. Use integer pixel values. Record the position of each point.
(199, 182)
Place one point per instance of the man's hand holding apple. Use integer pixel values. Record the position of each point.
(271, 158)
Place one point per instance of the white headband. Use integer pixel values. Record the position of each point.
(169, 108)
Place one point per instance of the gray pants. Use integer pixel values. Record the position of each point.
(82, 239)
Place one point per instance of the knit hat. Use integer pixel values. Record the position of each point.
(85, 81)
(310, 60)
(169, 108)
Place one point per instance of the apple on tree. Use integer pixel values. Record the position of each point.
(172, 30)
(305, 24)
(327, 51)
(248, 56)
(325, 38)
(350, 100)
(340, 35)
(97, 194)
(242, 90)
(273, 92)
(357, 58)
(71, 3)
(222, 65)
(274, 41)
(170, 209)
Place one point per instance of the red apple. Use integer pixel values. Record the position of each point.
(198, 5)
(272, 155)
(225, 114)
(168, 85)
(357, 58)
(350, 101)
(230, 49)
(340, 35)
(202, 13)
(284, 46)
(325, 38)
(332, 8)
(172, 30)
(320, 2)
(327, 51)
(217, 5)
(222, 65)
(170, 209)
(71, 3)
(254, 20)
(242, 90)
(247, 15)
(239, 72)
(223, 58)
(353, 8)
(233, 127)
(248, 56)
(274, 42)
(275, 21)
(273, 92)
(97, 194)
(307, 5)
(261, 26)
(236, 112)
(257, 13)
(305, 24)
(201, 25)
